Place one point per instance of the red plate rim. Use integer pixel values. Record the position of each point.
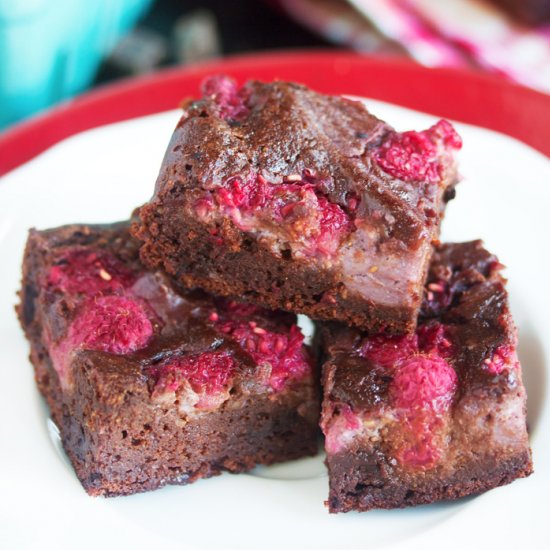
(468, 96)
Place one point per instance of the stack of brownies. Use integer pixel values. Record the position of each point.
(168, 348)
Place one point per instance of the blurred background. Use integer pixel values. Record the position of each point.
(51, 50)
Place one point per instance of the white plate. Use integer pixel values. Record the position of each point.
(100, 176)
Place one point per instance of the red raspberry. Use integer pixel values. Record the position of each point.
(333, 226)
(238, 309)
(230, 99)
(284, 353)
(207, 373)
(82, 271)
(245, 194)
(423, 382)
(422, 388)
(434, 340)
(387, 351)
(296, 206)
(111, 323)
(422, 454)
(418, 447)
(416, 156)
(501, 357)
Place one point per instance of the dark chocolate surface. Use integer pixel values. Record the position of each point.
(359, 382)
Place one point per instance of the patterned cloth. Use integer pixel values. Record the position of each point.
(436, 33)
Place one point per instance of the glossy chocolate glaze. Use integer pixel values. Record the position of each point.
(359, 382)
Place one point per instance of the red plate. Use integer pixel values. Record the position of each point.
(471, 97)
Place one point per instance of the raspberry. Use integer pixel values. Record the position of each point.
(244, 194)
(499, 360)
(444, 131)
(229, 310)
(340, 428)
(230, 99)
(423, 382)
(387, 351)
(296, 207)
(309, 217)
(237, 309)
(421, 454)
(82, 271)
(207, 373)
(333, 225)
(111, 323)
(282, 352)
(421, 390)
(422, 387)
(415, 156)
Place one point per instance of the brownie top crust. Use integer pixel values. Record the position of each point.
(100, 306)
(286, 133)
(457, 378)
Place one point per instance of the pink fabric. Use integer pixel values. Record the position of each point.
(337, 21)
(402, 25)
(451, 33)
(490, 37)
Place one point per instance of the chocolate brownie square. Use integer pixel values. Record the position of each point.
(299, 201)
(151, 385)
(435, 415)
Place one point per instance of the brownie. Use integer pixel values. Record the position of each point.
(531, 12)
(150, 385)
(438, 414)
(299, 201)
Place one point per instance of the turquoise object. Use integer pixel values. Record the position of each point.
(51, 49)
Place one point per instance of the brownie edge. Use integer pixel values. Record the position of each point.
(355, 483)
